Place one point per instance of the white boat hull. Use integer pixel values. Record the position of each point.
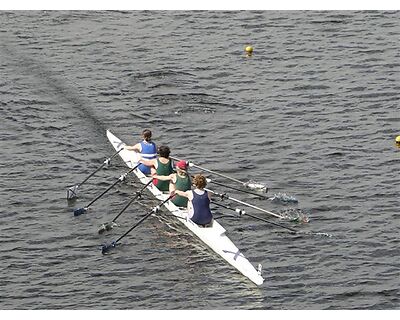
(214, 237)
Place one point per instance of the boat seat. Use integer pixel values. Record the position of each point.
(208, 225)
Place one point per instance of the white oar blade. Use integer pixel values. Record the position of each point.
(256, 186)
(72, 192)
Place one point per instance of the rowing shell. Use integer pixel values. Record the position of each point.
(215, 237)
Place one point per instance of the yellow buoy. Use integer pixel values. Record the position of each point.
(398, 140)
(249, 50)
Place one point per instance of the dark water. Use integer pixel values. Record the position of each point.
(313, 113)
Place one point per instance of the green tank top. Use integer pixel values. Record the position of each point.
(182, 184)
(163, 170)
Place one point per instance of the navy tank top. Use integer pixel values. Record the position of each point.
(201, 208)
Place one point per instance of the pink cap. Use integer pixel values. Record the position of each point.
(181, 165)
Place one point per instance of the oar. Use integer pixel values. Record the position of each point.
(251, 185)
(109, 225)
(72, 192)
(282, 197)
(242, 212)
(237, 189)
(79, 211)
(225, 196)
(107, 247)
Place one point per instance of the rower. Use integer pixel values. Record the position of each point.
(162, 166)
(147, 149)
(178, 181)
(199, 202)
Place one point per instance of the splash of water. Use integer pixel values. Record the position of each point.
(284, 198)
(295, 215)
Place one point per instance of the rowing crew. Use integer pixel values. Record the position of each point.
(179, 183)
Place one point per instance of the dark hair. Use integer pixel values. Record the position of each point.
(164, 151)
(199, 181)
(146, 134)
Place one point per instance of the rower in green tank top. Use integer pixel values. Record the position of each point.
(178, 181)
(161, 166)
(163, 169)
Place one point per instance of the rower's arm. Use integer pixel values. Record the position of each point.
(149, 163)
(163, 178)
(187, 194)
(137, 148)
(182, 193)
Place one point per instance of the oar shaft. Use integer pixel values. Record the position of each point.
(91, 175)
(121, 178)
(218, 174)
(255, 207)
(270, 222)
(102, 194)
(135, 225)
(292, 230)
(153, 210)
(241, 212)
(104, 163)
(133, 199)
(244, 203)
(211, 171)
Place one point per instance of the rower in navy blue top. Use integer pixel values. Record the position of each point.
(199, 202)
(147, 150)
(201, 208)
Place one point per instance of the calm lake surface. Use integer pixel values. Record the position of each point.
(313, 113)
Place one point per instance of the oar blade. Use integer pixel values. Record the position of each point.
(72, 192)
(79, 211)
(105, 248)
(106, 227)
(102, 229)
(256, 186)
